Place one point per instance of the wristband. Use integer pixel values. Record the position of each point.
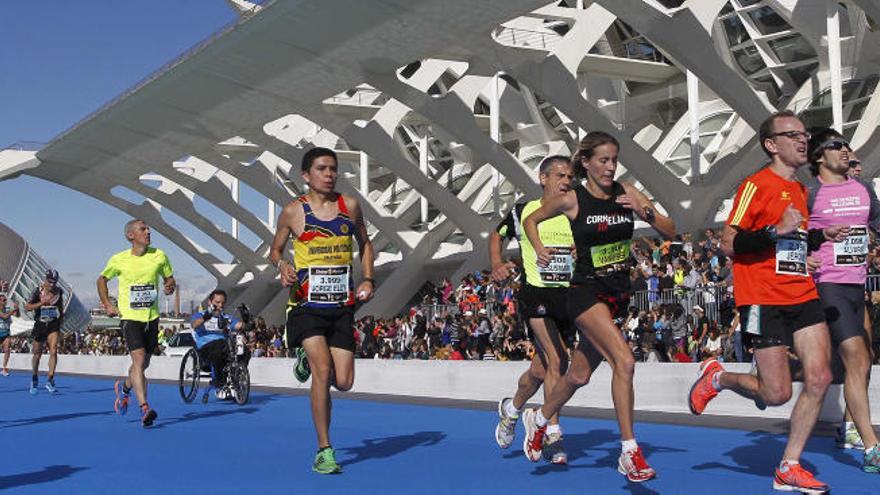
(754, 241)
(815, 238)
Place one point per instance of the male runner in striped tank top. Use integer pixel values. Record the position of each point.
(320, 311)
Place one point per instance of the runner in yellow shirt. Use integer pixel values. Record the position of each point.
(139, 270)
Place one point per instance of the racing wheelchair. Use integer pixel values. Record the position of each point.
(193, 368)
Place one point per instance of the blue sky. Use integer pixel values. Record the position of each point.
(61, 61)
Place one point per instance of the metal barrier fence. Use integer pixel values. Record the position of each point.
(708, 298)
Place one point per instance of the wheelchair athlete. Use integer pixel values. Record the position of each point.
(210, 329)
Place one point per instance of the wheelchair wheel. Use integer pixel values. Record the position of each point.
(189, 376)
(241, 384)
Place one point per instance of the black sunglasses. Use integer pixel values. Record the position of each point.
(792, 134)
(835, 145)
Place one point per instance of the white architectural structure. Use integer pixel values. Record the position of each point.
(441, 111)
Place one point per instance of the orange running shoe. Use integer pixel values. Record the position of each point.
(120, 405)
(702, 390)
(533, 444)
(797, 479)
(633, 465)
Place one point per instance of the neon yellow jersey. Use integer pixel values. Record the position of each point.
(139, 282)
(554, 232)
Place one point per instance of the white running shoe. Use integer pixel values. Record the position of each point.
(505, 430)
(533, 443)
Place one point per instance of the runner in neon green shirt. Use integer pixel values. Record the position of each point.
(139, 270)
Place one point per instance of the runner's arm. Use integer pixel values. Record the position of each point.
(104, 295)
(367, 286)
(283, 231)
(647, 212)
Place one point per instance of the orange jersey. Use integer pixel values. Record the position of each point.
(777, 276)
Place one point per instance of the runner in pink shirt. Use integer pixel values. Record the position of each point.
(834, 198)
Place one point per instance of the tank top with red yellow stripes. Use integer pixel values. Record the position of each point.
(322, 257)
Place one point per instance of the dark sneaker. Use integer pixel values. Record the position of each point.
(149, 415)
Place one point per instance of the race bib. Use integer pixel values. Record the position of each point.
(791, 254)
(328, 284)
(560, 266)
(142, 296)
(853, 250)
(49, 313)
(609, 254)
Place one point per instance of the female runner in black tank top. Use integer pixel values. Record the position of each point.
(601, 214)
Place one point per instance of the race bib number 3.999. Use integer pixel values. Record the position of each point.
(328, 284)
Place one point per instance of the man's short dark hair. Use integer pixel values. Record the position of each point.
(315, 153)
(551, 160)
(768, 127)
(217, 292)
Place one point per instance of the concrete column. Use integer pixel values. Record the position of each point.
(495, 135)
(365, 175)
(233, 188)
(423, 166)
(833, 23)
(271, 214)
(693, 92)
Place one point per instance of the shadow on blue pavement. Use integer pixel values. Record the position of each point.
(47, 474)
(202, 415)
(15, 423)
(381, 448)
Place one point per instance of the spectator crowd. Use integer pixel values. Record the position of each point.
(681, 310)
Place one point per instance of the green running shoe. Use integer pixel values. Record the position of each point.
(301, 369)
(325, 462)
(849, 438)
(872, 460)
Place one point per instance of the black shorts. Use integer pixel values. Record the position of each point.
(336, 325)
(612, 291)
(141, 335)
(42, 330)
(548, 303)
(844, 308)
(766, 326)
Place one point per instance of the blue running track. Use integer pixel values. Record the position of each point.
(72, 443)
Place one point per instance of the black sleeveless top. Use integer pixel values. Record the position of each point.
(603, 233)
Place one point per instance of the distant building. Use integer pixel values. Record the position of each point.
(25, 270)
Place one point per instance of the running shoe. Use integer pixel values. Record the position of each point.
(33, 389)
(849, 438)
(51, 387)
(533, 444)
(633, 465)
(120, 405)
(325, 462)
(5, 372)
(795, 478)
(872, 460)
(149, 415)
(554, 451)
(301, 369)
(702, 390)
(505, 431)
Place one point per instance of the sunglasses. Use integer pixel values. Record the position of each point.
(793, 134)
(835, 145)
